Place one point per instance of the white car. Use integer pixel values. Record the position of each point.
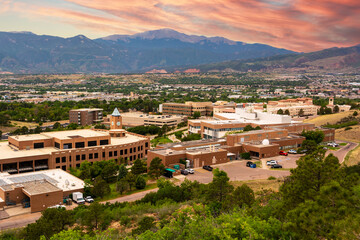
(272, 162)
(190, 170)
(333, 144)
(89, 199)
(57, 206)
(292, 151)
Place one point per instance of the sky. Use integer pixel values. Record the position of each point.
(299, 25)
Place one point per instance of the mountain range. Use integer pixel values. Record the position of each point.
(25, 52)
(332, 59)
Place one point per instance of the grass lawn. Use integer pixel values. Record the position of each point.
(258, 185)
(114, 194)
(343, 144)
(333, 148)
(353, 157)
(161, 140)
(329, 118)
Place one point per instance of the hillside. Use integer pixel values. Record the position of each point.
(328, 59)
(329, 118)
(25, 52)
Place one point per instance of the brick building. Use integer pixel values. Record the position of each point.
(85, 116)
(65, 149)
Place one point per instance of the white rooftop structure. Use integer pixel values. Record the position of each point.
(116, 113)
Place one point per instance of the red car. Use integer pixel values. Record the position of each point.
(283, 153)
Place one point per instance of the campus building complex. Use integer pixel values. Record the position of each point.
(235, 122)
(296, 107)
(259, 143)
(65, 149)
(85, 116)
(39, 190)
(133, 119)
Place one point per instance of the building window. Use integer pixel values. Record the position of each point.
(57, 160)
(63, 168)
(115, 153)
(104, 142)
(91, 156)
(96, 155)
(83, 157)
(134, 149)
(38, 145)
(146, 144)
(57, 145)
(103, 154)
(57, 166)
(126, 151)
(138, 148)
(110, 154)
(121, 152)
(78, 165)
(77, 157)
(130, 150)
(141, 147)
(63, 159)
(67, 145)
(80, 145)
(91, 143)
(130, 158)
(69, 158)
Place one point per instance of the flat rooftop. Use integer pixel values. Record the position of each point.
(30, 137)
(8, 152)
(39, 187)
(87, 109)
(258, 132)
(148, 116)
(84, 133)
(129, 138)
(192, 143)
(56, 177)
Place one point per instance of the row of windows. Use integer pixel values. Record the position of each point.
(82, 144)
(96, 155)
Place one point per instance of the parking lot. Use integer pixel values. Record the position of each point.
(237, 171)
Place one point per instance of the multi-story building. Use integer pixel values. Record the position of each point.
(86, 116)
(230, 122)
(38, 190)
(187, 108)
(294, 106)
(133, 119)
(65, 149)
(259, 143)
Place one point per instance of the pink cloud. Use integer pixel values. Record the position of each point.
(301, 25)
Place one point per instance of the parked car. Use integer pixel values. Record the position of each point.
(333, 144)
(207, 167)
(184, 172)
(292, 151)
(58, 206)
(253, 165)
(276, 166)
(283, 153)
(303, 151)
(190, 170)
(89, 199)
(271, 162)
(248, 163)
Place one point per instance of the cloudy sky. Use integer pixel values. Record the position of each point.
(300, 25)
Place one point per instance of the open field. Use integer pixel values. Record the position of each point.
(352, 135)
(353, 157)
(328, 119)
(258, 185)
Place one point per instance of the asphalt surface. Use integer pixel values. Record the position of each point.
(343, 151)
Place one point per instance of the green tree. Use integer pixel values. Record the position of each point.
(122, 186)
(94, 216)
(140, 182)
(100, 187)
(317, 135)
(243, 195)
(248, 128)
(196, 115)
(139, 167)
(280, 111)
(301, 112)
(312, 172)
(287, 112)
(220, 187)
(336, 109)
(52, 221)
(146, 223)
(131, 179)
(309, 145)
(122, 172)
(156, 168)
(355, 113)
(109, 171)
(57, 125)
(85, 170)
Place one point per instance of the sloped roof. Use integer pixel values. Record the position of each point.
(116, 113)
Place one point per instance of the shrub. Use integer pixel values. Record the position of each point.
(245, 155)
(348, 128)
(271, 178)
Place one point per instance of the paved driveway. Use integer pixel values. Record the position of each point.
(341, 153)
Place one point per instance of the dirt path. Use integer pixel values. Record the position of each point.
(19, 221)
(132, 197)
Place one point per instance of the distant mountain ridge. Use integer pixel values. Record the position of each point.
(25, 52)
(327, 59)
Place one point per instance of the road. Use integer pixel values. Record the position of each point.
(341, 153)
(25, 219)
(19, 221)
